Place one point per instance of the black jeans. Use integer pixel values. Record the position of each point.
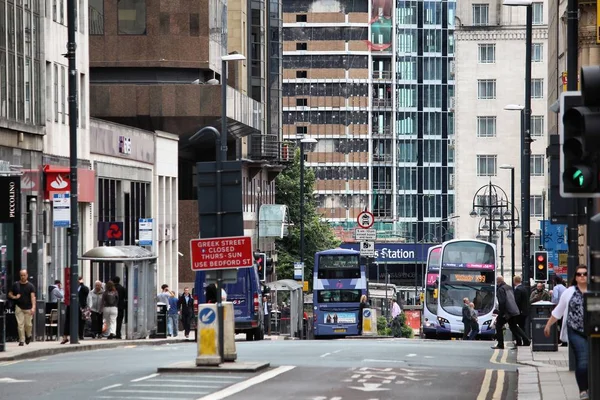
(96, 323)
(120, 316)
(518, 333)
(467, 330)
(186, 319)
(521, 323)
(579, 343)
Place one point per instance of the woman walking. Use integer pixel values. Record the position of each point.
(110, 300)
(570, 309)
(94, 302)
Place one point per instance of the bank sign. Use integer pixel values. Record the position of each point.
(396, 252)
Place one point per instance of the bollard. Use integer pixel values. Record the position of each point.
(369, 322)
(229, 352)
(208, 335)
(2, 326)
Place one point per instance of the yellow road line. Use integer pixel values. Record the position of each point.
(499, 385)
(494, 356)
(485, 385)
(504, 357)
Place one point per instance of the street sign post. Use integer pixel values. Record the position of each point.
(365, 219)
(365, 234)
(221, 253)
(367, 249)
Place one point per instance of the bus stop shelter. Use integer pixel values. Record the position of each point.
(140, 265)
(296, 306)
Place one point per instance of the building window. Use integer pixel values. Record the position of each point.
(61, 12)
(537, 52)
(132, 17)
(536, 206)
(537, 165)
(537, 125)
(537, 88)
(486, 127)
(56, 93)
(481, 14)
(486, 89)
(301, 18)
(486, 165)
(96, 17)
(301, 46)
(538, 13)
(301, 102)
(487, 53)
(301, 74)
(301, 130)
(63, 93)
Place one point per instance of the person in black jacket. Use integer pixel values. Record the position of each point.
(186, 305)
(507, 311)
(121, 306)
(466, 318)
(522, 300)
(82, 295)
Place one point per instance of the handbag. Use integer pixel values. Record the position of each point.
(86, 313)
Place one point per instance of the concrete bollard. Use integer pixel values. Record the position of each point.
(229, 351)
(369, 321)
(208, 335)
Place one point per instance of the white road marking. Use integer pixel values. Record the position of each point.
(370, 360)
(499, 385)
(143, 378)
(194, 380)
(241, 386)
(411, 355)
(369, 387)
(429, 357)
(132, 397)
(155, 391)
(11, 380)
(337, 351)
(7, 363)
(485, 385)
(175, 386)
(325, 355)
(110, 387)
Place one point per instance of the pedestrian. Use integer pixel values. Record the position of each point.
(559, 289)
(396, 325)
(474, 322)
(186, 304)
(95, 304)
(23, 293)
(507, 311)
(466, 318)
(211, 293)
(570, 309)
(173, 315)
(84, 313)
(56, 292)
(522, 300)
(163, 296)
(122, 306)
(364, 303)
(110, 300)
(539, 294)
(266, 317)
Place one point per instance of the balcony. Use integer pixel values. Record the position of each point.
(381, 103)
(269, 148)
(382, 75)
(381, 133)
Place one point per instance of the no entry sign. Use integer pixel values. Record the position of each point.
(221, 253)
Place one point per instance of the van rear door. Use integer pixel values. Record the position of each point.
(240, 295)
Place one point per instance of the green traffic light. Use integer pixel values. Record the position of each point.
(578, 177)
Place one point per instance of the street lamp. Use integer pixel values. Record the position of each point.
(302, 142)
(512, 201)
(525, 137)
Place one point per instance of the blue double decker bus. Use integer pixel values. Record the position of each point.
(339, 281)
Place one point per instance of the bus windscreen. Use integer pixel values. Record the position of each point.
(338, 267)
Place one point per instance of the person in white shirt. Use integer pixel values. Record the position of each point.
(396, 325)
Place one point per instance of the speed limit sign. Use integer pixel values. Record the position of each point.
(365, 219)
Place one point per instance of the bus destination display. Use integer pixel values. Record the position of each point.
(471, 277)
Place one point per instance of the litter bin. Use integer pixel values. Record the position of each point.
(2, 327)
(540, 313)
(161, 321)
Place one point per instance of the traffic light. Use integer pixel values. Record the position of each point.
(259, 260)
(580, 138)
(269, 265)
(541, 266)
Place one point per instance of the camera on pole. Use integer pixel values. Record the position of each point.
(580, 138)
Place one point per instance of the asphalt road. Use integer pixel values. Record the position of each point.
(300, 370)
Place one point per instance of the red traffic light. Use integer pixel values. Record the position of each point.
(540, 258)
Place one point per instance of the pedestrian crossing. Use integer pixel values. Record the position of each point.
(172, 386)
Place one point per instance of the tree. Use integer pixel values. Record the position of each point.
(318, 235)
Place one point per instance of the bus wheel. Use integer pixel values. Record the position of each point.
(259, 334)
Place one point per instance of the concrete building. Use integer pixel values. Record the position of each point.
(156, 65)
(490, 74)
(371, 81)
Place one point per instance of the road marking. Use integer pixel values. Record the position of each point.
(499, 385)
(143, 378)
(369, 387)
(337, 351)
(370, 360)
(494, 355)
(7, 363)
(411, 355)
(110, 387)
(11, 380)
(485, 385)
(132, 397)
(325, 355)
(504, 358)
(155, 391)
(241, 386)
(193, 380)
(175, 386)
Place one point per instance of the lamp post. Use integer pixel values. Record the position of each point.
(512, 225)
(526, 137)
(302, 142)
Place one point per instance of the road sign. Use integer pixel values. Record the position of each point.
(365, 234)
(221, 253)
(207, 316)
(365, 220)
(299, 271)
(145, 228)
(61, 210)
(367, 249)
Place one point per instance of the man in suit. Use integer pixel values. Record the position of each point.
(507, 312)
(186, 305)
(121, 306)
(522, 299)
(82, 295)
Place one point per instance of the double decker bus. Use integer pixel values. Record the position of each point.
(430, 300)
(467, 270)
(339, 280)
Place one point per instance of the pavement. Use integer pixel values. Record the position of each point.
(545, 375)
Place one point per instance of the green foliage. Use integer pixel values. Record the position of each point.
(382, 327)
(318, 235)
(405, 330)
